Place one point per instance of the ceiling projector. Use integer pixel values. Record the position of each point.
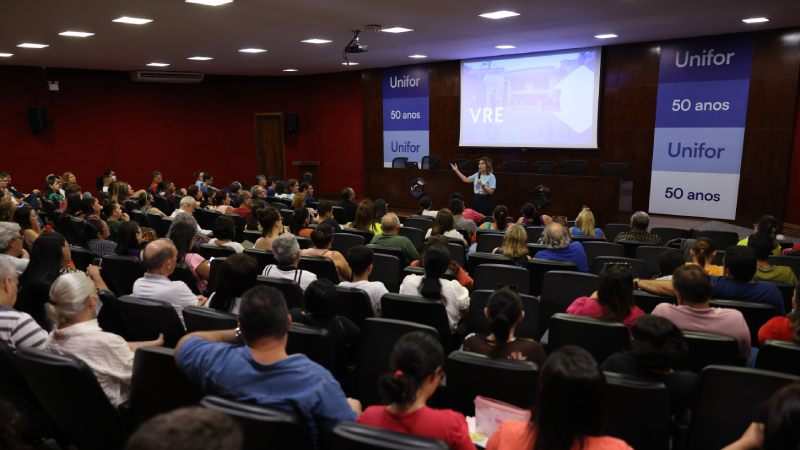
(354, 46)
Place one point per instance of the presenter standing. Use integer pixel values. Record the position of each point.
(483, 183)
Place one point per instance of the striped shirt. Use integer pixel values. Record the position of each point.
(636, 235)
(18, 330)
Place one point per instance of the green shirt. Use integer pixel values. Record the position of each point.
(397, 241)
(113, 225)
(776, 273)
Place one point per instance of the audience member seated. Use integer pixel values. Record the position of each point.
(259, 194)
(380, 210)
(222, 203)
(224, 231)
(51, 191)
(271, 227)
(129, 240)
(461, 275)
(320, 311)
(431, 285)
(499, 222)
(308, 191)
(360, 259)
(15, 196)
(11, 247)
(350, 208)
(762, 247)
(298, 201)
(739, 267)
(236, 276)
(777, 424)
(291, 189)
(532, 217)
(504, 312)
(613, 299)
(425, 204)
(245, 200)
(444, 225)
(298, 224)
(767, 227)
(206, 184)
(167, 190)
(7, 210)
(322, 238)
(200, 236)
(145, 202)
(103, 186)
(182, 236)
(365, 218)
(693, 289)
(640, 221)
(233, 193)
(256, 211)
(188, 206)
(783, 328)
(18, 330)
(191, 428)
(469, 213)
(389, 238)
(195, 194)
(198, 178)
(667, 263)
(160, 258)
(657, 346)
(114, 217)
(569, 411)
(269, 186)
(515, 245)
(73, 307)
(154, 181)
(122, 192)
(325, 211)
(26, 218)
(95, 236)
(260, 371)
(584, 225)
(703, 253)
(416, 370)
(559, 247)
(457, 208)
(91, 208)
(72, 205)
(287, 253)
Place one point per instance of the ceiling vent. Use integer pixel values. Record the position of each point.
(153, 76)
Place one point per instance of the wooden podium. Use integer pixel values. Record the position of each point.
(307, 166)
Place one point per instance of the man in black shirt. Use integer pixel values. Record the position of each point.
(325, 211)
(350, 208)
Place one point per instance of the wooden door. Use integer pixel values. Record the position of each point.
(269, 145)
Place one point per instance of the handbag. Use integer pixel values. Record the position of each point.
(490, 413)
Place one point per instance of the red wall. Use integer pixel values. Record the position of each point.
(101, 120)
(791, 211)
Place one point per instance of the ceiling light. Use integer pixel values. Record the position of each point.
(158, 64)
(200, 58)
(75, 34)
(606, 36)
(756, 20)
(252, 50)
(499, 14)
(6, 55)
(32, 45)
(132, 20)
(396, 30)
(505, 46)
(316, 41)
(290, 70)
(417, 56)
(351, 63)
(210, 2)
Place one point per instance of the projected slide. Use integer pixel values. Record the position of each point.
(532, 100)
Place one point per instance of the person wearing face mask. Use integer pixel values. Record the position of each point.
(73, 306)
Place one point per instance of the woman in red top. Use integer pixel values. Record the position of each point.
(783, 328)
(613, 299)
(416, 371)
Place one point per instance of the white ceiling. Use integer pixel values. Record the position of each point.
(444, 30)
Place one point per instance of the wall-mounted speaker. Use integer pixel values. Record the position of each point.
(291, 122)
(37, 119)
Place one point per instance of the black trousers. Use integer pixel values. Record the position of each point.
(482, 204)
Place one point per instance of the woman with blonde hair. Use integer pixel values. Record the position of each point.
(703, 254)
(366, 218)
(299, 201)
(515, 245)
(584, 225)
(69, 178)
(445, 224)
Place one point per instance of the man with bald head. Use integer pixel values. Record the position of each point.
(160, 258)
(559, 247)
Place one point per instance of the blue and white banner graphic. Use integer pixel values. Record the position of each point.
(406, 113)
(702, 107)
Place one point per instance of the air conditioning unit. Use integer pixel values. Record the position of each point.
(154, 76)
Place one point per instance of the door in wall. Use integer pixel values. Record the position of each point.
(269, 144)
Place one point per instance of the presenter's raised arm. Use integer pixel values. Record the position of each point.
(460, 175)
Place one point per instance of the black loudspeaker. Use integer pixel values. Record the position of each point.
(37, 119)
(291, 122)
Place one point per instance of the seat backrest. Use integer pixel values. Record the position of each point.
(140, 218)
(77, 225)
(470, 375)
(343, 242)
(537, 268)
(601, 338)
(355, 304)
(462, 164)
(533, 249)
(15, 390)
(639, 413)
(647, 301)
(393, 251)
(263, 257)
(544, 168)
(476, 259)
(786, 261)
(209, 251)
(478, 323)
(340, 215)
(668, 234)
(706, 349)
(291, 291)
(183, 273)
(355, 436)
(722, 239)
(650, 254)
(574, 167)
(317, 344)
(156, 224)
(213, 278)
(110, 317)
(727, 403)
(416, 235)
(251, 235)
(779, 356)
(430, 162)
(595, 249)
(158, 386)
(124, 271)
(207, 319)
(631, 246)
(399, 163)
(261, 424)
(320, 266)
(613, 229)
(69, 391)
(419, 310)
(755, 314)
(534, 234)
(516, 166)
(458, 254)
(163, 205)
(614, 170)
(145, 318)
(386, 269)
(83, 257)
(787, 292)
(378, 337)
(286, 215)
(420, 224)
(639, 267)
(494, 276)
(561, 288)
(239, 223)
(489, 241)
(417, 270)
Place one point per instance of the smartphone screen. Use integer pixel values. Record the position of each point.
(97, 262)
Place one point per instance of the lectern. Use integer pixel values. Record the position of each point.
(307, 166)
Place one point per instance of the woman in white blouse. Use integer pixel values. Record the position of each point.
(74, 306)
(454, 296)
(445, 224)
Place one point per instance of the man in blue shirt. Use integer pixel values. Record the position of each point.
(271, 183)
(258, 370)
(308, 190)
(560, 249)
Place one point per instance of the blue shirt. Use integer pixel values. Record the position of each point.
(759, 292)
(488, 180)
(271, 192)
(572, 253)
(294, 384)
(578, 232)
(309, 200)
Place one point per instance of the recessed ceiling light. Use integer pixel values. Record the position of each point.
(499, 14)
(505, 46)
(417, 56)
(158, 64)
(316, 41)
(606, 36)
(6, 55)
(252, 50)
(210, 2)
(75, 34)
(200, 58)
(290, 70)
(132, 20)
(756, 20)
(351, 63)
(32, 45)
(396, 30)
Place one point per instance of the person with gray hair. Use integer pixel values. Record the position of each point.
(390, 224)
(11, 245)
(17, 329)
(259, 194)
(185, 216)
(160, 258)
(640, 220)
(559, 247)
(73, 307)
(287, 252)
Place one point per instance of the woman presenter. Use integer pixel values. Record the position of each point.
(483, 183)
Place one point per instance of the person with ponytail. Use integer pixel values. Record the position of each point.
(425, 204)
(95, 236)
(416, 370)
(703, 254)
(298, 225)
(257, 211)
(271, 227)
(504, 312)
(461, 275)
(766, 226)
(431, 285)
(499, 222)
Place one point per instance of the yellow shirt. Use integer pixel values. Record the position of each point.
(775, 251)
(715, 271)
